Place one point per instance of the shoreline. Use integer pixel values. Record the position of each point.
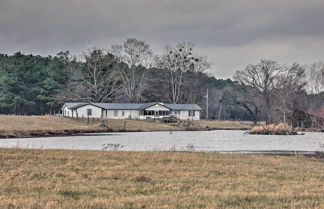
(12, 134)
(79, 132)
(12, 126)
(289, 153)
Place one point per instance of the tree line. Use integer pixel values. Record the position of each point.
(132, 72)
(271, 92)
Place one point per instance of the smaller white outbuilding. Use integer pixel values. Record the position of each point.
(131, 110)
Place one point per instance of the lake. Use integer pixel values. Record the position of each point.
(208, 141)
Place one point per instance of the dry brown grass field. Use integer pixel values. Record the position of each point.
(48, 179)
(29, 126)
(47, 122)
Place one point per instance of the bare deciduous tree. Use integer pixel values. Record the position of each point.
(245, 96)
(177, 61)
(139, 59)
(316, 77)
(96, 78)
(262, 76)
(289, 85)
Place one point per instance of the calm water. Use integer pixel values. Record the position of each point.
(215, 141)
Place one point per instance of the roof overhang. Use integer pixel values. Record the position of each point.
(153, 104)
(82, 105)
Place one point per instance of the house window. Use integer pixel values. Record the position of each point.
(115, 113)
(123, 113)
(191, 113)
(89, 112)
(162, 113)
(149, 112)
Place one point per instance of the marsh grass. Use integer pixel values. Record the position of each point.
(274, 129)
(113, 179)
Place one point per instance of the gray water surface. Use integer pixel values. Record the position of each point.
(210, 141)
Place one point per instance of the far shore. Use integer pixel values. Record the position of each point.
(78, 132)
(13, 126)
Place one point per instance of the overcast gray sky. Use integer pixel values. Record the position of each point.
(232, 33)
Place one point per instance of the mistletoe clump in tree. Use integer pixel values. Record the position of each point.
(179, 60)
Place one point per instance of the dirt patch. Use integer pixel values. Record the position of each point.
(142, 179)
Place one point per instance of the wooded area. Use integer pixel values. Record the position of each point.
(132, 72)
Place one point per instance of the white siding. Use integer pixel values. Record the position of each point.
(82, 111)
(66, 112)
(197, 115)
(135, 114)
(128, 114)
(184, 115)
(98, 112)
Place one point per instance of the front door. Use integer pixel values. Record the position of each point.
(156, 114)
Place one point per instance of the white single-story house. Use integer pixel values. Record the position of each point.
(131, 110)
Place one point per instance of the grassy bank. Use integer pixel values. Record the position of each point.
(104, 179)
(31, 126)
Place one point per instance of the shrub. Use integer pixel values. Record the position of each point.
(274, 129)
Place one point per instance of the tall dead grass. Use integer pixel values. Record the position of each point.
(274, 129)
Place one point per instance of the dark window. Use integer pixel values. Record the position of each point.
(163, 112)
(89, 112)
(148, 112)
(191, 113)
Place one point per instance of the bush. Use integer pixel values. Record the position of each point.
(274, 129)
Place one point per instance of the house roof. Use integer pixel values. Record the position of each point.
(183, 106)
(121, 106)
(134, 106)
(71, 105)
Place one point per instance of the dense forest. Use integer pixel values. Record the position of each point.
(131, 72)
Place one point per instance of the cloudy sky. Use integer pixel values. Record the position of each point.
(232, 33)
